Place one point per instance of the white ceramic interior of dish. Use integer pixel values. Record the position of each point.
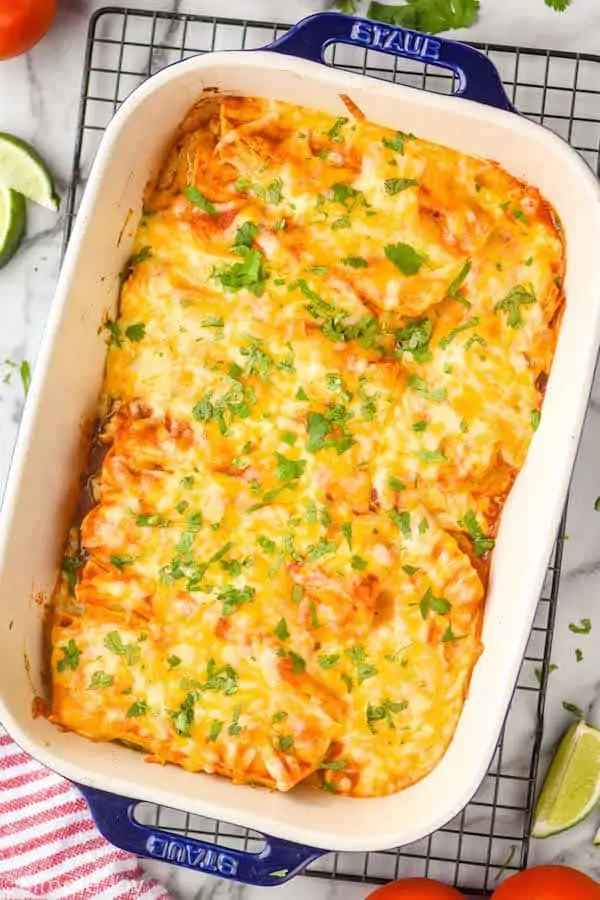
(43, 482)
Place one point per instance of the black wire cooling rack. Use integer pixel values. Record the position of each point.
(490, 837)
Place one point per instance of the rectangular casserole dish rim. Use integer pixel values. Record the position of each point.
(338, 79)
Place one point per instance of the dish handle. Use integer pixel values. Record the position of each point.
(275, 864)
(477, 77)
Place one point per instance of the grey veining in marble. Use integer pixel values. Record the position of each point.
(39, 96)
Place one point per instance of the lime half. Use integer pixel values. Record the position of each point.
(12, 222)
(572, 785)
(23, 170)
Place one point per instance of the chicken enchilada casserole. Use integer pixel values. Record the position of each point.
(329, 361)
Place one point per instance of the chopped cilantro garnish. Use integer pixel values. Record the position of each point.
(312, 612)
(457, 282)
(438, 604)
(279, 716)
(328, 660)
(358, 657)
(520, 216)
(250, 273)
(320, 549)
(384, 713)
(70, 566)
(341, 222)
(233, 597)
(419, 426)
(245, 235)
(100, 680)
(346, 530)
(289, 469)
(347, 681)
(411, 570)
(423, 526)
(358, 563)
(142, 255)
(573, 709)
(194, 196)
(447, 340)
(432, 456)
(114, 642)
(578, 654)
(187, 481)
(135, 332)
(401, 520)
(535, 419)
(137, 709)
(395, 484)
(286, 742)
(328, 430)
(397, 185)
(274, 191)
(297, 593)
(281, 630)
(481, 543)
(183, 718)
(151, 521)
(235, 728)
(414, 338)
(266, 543)
(419, 386)
(70, 658)
(216, 727)
(334, 131)
(397, 142)
(121, 561)
(511, 305)
(334, 765)
(173, 661)
(449, 635)
(405, 258)
(355, 262)
(584, 627)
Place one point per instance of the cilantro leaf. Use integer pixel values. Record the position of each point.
(431, 16)
(397, 142)
(511, 305)
(558, 5)
(281, 630)
(584, 628)
(137, 709)
(70, 658)
(456, 283)
(414, 338)
(100, 680)
(250, 273)
(405, 258)
(194, 196)
(395, 186)
(114, 642)
(233, 598)
(481, 543)
(447, 339)
(384, 713)
(289, 469)
(245, 235)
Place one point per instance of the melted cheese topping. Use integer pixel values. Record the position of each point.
(332, 346)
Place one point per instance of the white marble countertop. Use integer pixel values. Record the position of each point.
(39, 96)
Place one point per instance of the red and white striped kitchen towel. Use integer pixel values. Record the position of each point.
(49, 845)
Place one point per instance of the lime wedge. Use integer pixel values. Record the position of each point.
(572, 785)
(12, 223)
(23, 170)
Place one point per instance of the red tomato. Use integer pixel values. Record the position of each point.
(548, 883)
(23, 23)
(415, 889)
